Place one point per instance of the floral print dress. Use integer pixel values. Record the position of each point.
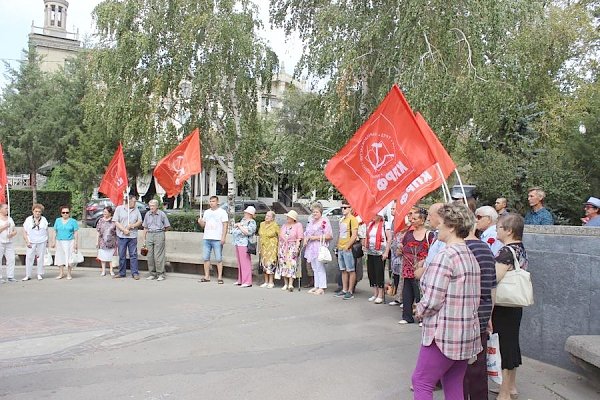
(289, 250)
(268, 234)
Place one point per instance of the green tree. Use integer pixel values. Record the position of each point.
(33, 127)
(167, 67)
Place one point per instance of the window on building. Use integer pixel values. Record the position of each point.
(52, 14)
(59, 17)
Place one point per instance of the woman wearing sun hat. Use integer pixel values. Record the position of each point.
(241, 232)
(290, 237)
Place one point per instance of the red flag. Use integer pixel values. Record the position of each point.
(114, 182)
(447, 165)
(429, 180)
(184, 161)
(384, 156)
(3, 177)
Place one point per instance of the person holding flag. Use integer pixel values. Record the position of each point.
(128, 219)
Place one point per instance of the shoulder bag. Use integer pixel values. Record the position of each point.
(515, 289)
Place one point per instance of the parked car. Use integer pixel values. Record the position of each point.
(240, 206)
(335, 212)
(94, 209)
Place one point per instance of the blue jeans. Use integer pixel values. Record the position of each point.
(210, 244)
(131, 245)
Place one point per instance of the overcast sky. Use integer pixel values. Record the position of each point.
(17, 16)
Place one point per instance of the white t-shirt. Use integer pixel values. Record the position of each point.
(4, 234)
(36, 234)
(213, 230)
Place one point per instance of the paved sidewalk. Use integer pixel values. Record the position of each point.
(101, 338)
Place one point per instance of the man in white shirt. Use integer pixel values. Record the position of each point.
(128, 219)
(486, 218)
(214, 221)
(7, 249)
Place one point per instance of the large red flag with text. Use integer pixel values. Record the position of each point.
(184, 161)
(3, 177)
(385, 155)
(429, 180)
(114, 182)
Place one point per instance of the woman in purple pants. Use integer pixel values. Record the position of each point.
(448, 307)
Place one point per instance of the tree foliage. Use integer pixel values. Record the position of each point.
(497, 81)
(169, 66)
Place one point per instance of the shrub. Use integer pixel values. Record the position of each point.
(20, 203)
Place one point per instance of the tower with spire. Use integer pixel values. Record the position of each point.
(52, 41)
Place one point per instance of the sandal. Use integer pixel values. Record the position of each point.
(204, 280)
(220, 281)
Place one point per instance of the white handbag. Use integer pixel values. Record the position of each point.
(324, 253)
(515, 289)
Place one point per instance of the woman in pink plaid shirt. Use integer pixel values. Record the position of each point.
(448, 307)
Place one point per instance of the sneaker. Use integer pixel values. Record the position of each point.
(338, 290)
(102, 273)
(112, 273)
(372, 298)
(12, 280)
(403, 322)
(24, 279)
(421, 324)
(378, 300)
(270, 286)
(339, 294)
(236, 284)
(40, 277)
(264, 285)
(136, 277)
(150, 278)
(348, 296)
(160, 278)
(285, 287)
(394, 303)
(245, 285)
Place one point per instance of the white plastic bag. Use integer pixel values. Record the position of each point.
(494, 361)
(48, 258)
(76, 258)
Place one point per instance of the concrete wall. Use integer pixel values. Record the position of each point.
(564, 262)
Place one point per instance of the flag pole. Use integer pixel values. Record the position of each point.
(462, 188)
(8, 199)
(445, 189)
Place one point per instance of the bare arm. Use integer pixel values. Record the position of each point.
(388, 240)
(224, 234)
(501, 270)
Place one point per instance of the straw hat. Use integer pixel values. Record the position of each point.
(292, 214)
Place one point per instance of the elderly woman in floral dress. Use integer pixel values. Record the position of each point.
(290, 237)
(318, 229)
(268, 232)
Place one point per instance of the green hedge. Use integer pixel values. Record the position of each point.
(188, 221)
(20, 203)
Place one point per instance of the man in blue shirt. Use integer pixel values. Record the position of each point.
(538, 215)
(592, 209)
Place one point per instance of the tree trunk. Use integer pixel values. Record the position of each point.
(33, 183)
(231, 189)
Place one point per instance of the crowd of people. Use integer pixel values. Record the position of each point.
(444, 267)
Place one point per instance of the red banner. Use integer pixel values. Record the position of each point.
(437, 149)
(114, 182)
(385, 155)
(184, 161)
(429, 180)
(3, 178)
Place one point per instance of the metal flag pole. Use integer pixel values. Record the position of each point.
(8, 199)
(445, 190)
(462, 188)
(202, 182)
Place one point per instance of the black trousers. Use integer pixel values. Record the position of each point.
(410, 294)
(375, 271)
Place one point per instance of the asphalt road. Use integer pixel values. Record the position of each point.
(100, 338)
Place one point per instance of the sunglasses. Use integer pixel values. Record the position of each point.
(65, 212)
(345, 207)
